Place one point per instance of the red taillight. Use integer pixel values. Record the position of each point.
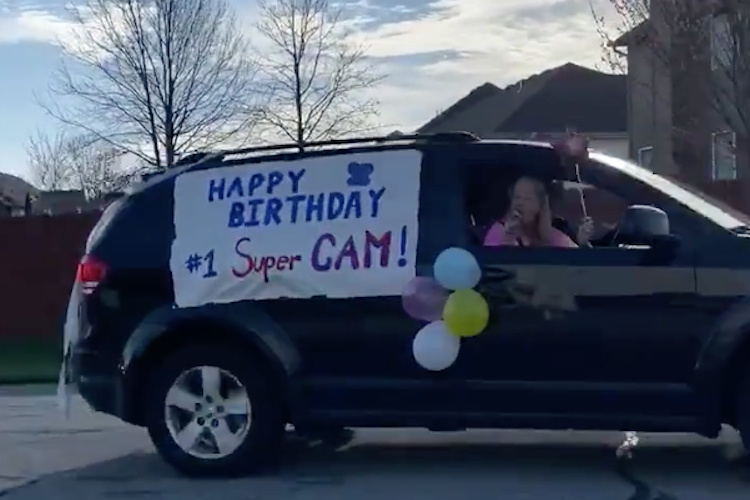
(91, 272)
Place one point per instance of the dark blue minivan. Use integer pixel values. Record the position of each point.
(658, 340)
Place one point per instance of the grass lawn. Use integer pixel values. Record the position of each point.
(29, 360)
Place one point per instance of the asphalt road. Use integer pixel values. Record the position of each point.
(91, 456)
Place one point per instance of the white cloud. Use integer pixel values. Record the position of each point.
(37, 25)
(498, 47)
(31, 25)
(501, 41)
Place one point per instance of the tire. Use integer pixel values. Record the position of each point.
(252, 448)
(743, 411)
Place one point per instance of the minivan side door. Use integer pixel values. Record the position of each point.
(358, 366)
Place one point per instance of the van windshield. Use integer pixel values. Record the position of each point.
(711, 208)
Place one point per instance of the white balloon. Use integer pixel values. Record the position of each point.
(435, 348)
(457, 269)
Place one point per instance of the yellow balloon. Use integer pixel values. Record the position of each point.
(466, 313)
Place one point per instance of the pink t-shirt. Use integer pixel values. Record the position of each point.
(496, 236)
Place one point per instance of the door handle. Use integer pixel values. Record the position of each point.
(494, 285)
(678, 299)
(495, 274)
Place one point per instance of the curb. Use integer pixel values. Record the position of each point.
(28, 381)
(39, 389)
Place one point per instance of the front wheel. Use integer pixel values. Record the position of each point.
(212, 412)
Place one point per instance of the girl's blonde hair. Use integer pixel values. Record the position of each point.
(542, 192)
(540, 188)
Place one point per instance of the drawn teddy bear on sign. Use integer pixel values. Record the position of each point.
(359, 174)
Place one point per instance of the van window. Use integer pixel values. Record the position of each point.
(489, 200)
(486, 199)
(714, 210)
(604, 207)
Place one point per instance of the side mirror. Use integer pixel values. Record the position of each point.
(646, 225)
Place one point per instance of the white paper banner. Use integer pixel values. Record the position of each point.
(338, 226)
(71, 329)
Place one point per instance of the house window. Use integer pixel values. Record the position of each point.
(645, 155)
(723, 156)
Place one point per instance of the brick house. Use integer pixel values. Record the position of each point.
(676, 59)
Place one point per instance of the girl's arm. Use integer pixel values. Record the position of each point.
(496, 236)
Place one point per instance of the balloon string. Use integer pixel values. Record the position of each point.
(580, 191)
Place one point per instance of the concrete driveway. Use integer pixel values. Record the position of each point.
(93, 456)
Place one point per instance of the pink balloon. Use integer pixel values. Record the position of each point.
(424, 298)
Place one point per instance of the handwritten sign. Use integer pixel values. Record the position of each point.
(338, 226)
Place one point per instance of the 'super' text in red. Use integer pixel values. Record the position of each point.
(262, 265)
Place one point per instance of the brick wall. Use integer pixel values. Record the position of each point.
(38, 258)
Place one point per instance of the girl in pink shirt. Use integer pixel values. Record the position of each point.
(529, 220)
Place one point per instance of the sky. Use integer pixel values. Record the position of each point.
(433, 52)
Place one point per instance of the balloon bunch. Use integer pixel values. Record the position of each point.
(451, 316)
(573, 147)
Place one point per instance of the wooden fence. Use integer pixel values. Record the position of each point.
(38, 259)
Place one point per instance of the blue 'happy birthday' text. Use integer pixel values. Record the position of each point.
(254, 202)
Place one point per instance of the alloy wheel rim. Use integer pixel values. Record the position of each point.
(207, 412)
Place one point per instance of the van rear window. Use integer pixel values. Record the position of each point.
(104, 221)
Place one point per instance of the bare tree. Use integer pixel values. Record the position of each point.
(49, 168)
(156, 78)
(628, 15)
(319, 79)
(80, 163)
(699, 42)
(730, 38)
(96, 169)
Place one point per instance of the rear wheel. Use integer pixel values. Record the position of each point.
(212, 412)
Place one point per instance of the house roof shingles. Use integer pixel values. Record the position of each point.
(569, 95)
(589, 100)
(481, 93)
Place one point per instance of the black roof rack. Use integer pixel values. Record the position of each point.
(191, 158)
(459, 137)
(220, 155)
